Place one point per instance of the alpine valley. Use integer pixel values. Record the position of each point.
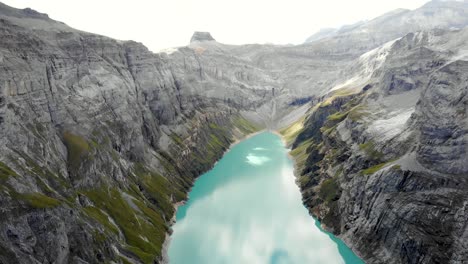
(101, 139)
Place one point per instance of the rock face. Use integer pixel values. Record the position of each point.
(385, 159)
(201, 36)
(101, 137)
(394, 24)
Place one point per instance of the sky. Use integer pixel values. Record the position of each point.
(163, 24)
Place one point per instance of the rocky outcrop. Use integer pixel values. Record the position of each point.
(385, 165)
(444, 140)
(397, 23)
(99, 140)
(201, 36)
(101, 137)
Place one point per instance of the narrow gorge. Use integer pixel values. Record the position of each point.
(236, 213)
(101, 138)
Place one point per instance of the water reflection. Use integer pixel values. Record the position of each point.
(248, 210)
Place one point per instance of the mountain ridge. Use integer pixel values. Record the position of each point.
(403, 21)
(90, 124)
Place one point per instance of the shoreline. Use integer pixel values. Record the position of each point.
(322, 226)
(165, 246)
(167, 240)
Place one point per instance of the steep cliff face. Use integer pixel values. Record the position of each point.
(101, 137)
(399, 22)
(384, 164)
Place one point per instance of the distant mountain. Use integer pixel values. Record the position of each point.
(385, 138)
(201, 36)
(434, 14)
(100, 138)
(322, 33)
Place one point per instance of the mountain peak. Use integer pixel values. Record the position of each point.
(200, 36)
(33, 13)
(21, 13)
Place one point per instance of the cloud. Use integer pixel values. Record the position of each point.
(252, 219)
(256, 160)
(259, 148)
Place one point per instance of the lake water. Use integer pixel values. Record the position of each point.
(248, 209)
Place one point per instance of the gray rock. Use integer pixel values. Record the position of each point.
(85, 118)
(397, 151)
(201, 36)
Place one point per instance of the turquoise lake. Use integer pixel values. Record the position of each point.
(248, 209)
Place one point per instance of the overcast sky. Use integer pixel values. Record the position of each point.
(170, 23)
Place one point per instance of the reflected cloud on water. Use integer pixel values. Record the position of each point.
(257, 217)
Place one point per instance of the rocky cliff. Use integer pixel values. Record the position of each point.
(394, 24)
(100, 138)
(382, 163)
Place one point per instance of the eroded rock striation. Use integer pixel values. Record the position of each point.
(100, 138)
(383, 163)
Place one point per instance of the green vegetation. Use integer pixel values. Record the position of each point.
(357, 113)
(343, 92)
(327, 130)
(216, 126)
(142, 255)
(214, 140)
(331, 154)
(124, 260)
(177, 139)
(338, 116)
(339, 172)
(98, 236)
(300, 152)
(303, 180)
(158, 188)
(42, 178)
(114, 155)
(77, 147)
(167, 163)
(329, 190)
(39, 200)
(291, 132)
(6, 171)
(245, 126)
(100, 217)
(141, 220)
(369, 149)
(374, 169)
(43, 174)
(144, 232)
